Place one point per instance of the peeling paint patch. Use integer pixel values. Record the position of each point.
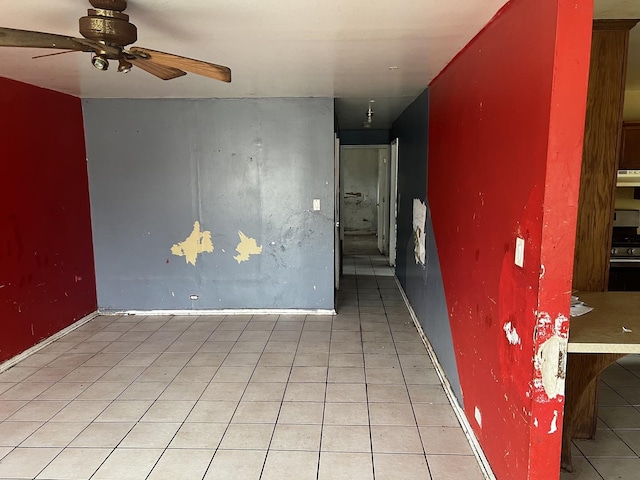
(512, 334)
(419, 235)
(197, 242)
(550, 360)
(547, 362)
(247, 247)
(478, 416)
(554, 423)
(535, 422)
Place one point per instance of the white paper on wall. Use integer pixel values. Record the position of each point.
(419, 221)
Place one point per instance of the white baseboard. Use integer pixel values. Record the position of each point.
(39, 346)
(237, 311)
(457, 409)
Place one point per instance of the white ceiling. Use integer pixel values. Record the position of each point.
(276, 48)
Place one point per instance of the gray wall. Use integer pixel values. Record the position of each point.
(422, 283)
(250, 165)
(360, 185)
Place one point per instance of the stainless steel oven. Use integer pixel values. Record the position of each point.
(624, 263)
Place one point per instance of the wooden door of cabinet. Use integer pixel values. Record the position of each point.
(630, 158)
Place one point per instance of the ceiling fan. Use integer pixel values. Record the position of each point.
(106, 31)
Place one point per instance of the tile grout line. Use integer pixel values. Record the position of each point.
(415, 418)
(74, 399)
(196, 402)
(136, 423)
(275, 423)
(366, 384)
(324, 406)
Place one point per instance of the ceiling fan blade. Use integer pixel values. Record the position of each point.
(54, 54)
(10, 37)
(199, 67)
(160, 71)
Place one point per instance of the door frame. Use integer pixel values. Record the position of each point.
(382, 229)
(337, 239)
(382, 212)
(393, 202)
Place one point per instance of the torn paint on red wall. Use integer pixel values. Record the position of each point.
(505, 139)
(47, 278)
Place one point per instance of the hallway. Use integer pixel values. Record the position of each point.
(350, 396)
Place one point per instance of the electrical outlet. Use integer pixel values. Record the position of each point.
(519, 260)
(193, 297)
(316, 204)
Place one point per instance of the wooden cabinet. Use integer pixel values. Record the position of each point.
(630, 158)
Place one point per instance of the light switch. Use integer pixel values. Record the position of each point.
(519, 260)
(316, 204)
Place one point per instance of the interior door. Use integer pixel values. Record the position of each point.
(337, 245)
(383, 204)
(393, 203)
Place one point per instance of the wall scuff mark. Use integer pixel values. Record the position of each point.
(554, 423)
(512, 334)
(247, 247)
(197, 242)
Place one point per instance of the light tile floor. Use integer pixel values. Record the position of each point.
(615, 451)
(350, 396)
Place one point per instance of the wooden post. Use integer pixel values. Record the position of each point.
(603, 129)
(602, 139)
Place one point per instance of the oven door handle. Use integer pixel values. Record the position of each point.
(624, 262)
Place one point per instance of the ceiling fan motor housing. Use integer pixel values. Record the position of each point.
(117, 5)
(106, 23)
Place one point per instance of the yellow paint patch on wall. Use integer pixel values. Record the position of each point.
(197, 242)
(247, 247)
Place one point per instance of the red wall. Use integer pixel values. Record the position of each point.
(505, 140)
(47, 279)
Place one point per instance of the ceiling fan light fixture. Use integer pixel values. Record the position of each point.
(124, 66)
(367, 124)
(116, 5)
(100, 62)
(106, 31)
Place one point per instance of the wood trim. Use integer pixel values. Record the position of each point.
(601, 152)
(624, 24)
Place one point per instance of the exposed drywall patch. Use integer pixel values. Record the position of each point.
(511, 333)
(197, 242)
(478, 416)
(247, 247)
(547, 361)
(419, 220)
(551, 357)
(554, 423)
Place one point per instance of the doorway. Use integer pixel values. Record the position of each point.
(364, 210)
